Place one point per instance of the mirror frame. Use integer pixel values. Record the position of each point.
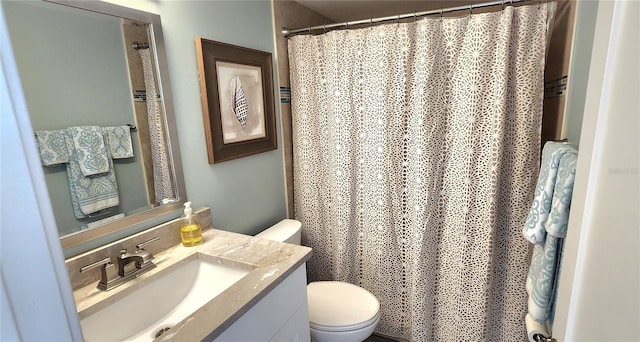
(154, 211)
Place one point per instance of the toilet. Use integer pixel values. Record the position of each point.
(338, 311)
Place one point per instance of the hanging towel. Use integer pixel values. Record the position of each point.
(556, 224)
(533, 229)
(53, 150)
(238, 101)
(89, 194)
(545, 261)
(119, 141)
(542, 277)
(89, 150)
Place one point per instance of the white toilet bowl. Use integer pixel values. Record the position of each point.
(338, 311)
(341, 312)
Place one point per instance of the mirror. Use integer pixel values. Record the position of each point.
(82, 64)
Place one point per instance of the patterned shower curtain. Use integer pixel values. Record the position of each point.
(162, 178)
(416, 150)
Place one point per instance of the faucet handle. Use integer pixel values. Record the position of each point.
(103, 262)
(141, 245)
(109, 273)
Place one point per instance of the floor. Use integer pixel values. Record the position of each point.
(376, 338)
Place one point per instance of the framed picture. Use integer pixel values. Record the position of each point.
(236, 87)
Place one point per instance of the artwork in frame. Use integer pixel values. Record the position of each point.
(236, 87)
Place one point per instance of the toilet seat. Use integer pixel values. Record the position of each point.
(339, 306)
(332, 328)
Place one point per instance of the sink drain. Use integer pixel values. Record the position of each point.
(161, 331)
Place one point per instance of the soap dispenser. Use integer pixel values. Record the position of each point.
(190, 230)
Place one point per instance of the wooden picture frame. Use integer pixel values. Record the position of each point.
(236, 88)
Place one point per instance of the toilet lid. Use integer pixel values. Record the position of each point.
(340, 306)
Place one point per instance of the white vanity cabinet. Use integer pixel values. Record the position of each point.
(281, 316)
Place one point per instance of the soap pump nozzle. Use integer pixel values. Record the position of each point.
(187, 209)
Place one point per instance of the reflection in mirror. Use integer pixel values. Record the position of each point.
(95, 80)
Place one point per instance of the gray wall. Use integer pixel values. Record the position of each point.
(246, 195)
(67, 64)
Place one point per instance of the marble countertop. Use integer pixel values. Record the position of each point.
(270, 263)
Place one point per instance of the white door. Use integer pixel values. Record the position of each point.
(598, 294)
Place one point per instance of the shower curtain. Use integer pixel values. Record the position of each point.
(162, 180)
(416, 150)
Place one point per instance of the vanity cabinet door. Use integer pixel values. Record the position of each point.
(293, 330)
(281, 316)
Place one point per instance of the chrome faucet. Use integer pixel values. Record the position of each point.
(130, 266)
(131, 263)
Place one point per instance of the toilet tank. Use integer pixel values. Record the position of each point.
(286, 230)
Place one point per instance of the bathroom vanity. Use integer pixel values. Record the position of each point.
(233, 287)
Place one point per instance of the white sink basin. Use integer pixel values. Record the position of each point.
(162, 301)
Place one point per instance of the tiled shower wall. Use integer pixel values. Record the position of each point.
(556, 73)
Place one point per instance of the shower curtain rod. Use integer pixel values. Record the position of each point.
(288, 33)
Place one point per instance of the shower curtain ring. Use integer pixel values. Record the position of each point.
(471, 9)
(309, 29)
(398, 20)
(324, 27)
(370, 22)
(415, 18)
(503, 5)
(441, 14)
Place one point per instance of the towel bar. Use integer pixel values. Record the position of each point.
(131, 127)
(542, 338)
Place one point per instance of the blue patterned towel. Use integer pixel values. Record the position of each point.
(53, 150)
(119, 141)
(542, 278)
(91, 194)
(545, 261)
(534, 226)
(89, 149)
(556, 224)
